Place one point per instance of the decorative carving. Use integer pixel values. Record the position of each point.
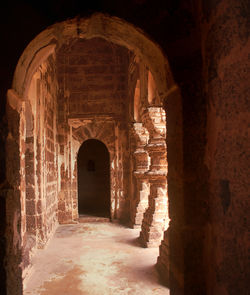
(155, 218)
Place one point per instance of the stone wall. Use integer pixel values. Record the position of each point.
(181, 253)
(226, 45)
(92, 103)
(35, 206)
(93, 74)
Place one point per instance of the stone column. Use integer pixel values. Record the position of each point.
(141, 165)
(155, 219)
(170, 263)
(141, 199)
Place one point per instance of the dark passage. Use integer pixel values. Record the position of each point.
(93, 179)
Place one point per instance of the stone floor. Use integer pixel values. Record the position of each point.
(94, 258)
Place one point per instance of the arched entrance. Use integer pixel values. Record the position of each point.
(93, 179)
(65, 131)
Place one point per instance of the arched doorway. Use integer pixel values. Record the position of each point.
(42, 55)
(93, 179)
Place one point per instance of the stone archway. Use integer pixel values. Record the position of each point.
(99, 25)
(93, 167)
(40, 56)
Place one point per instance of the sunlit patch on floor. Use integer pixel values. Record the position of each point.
(95, 259)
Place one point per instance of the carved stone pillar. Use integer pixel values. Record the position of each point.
(141, 199)
(154, 119)
(155, 219)
(141, 165)
(157, 151)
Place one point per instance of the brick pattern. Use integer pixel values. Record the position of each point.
(39, 161)
(46, 146)
(92, 103)
(94, 74)
(155, 219)
(139, 203)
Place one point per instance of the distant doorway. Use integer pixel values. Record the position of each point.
(93, 179)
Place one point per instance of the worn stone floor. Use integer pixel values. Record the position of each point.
(96, 259)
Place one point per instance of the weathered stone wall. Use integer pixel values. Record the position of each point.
(133, 116)
(226, 47)
(103, 130)
(31, 185)
(93, 103)
(94, 76)
(39, 161)
(208, 254)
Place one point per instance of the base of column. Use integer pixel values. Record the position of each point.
(151, 234)
(163, 263)
(140, 205)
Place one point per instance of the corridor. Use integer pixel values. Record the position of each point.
(163, 87)
(94, 258)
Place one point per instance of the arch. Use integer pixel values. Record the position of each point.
(111, 29)
(93, 170)
(122, 33)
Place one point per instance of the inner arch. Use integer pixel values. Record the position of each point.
(93, 179)
(98, 25)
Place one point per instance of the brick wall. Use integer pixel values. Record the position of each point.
(94, 74)
(93, 79)
(40, 161)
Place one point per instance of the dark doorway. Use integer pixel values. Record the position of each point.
(93, 179)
